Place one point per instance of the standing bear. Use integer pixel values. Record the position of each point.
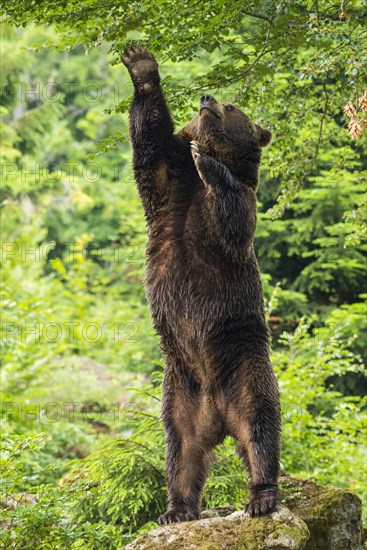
(198, 189)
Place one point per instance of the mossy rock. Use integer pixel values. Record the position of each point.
(279, 531)
(310, 517)
(332, 515)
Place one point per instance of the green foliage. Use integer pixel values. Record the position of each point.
(227, 483)
(323, 429)
(122, 481)
(76, 328)
(40, 519)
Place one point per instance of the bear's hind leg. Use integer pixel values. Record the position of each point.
(238, 349)
(253, 417)
(192, 429)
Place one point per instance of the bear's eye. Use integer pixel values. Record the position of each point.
(229, 107)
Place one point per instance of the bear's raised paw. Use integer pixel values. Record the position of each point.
(140, 63)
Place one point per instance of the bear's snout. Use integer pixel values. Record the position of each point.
(209, 103)
(207, 99)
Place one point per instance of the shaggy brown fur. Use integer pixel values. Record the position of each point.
(198, 188)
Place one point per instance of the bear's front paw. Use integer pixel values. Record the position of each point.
(199, 158)
(140, 63)
(196, 150)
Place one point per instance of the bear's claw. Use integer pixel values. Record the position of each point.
(173, 516)
(134, 53)
(196, 149)
(262, 501)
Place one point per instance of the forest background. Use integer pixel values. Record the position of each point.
(82, 461)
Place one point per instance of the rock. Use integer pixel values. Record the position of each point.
(310, 517)
(218, 512)
(280, 530)
(333, 516)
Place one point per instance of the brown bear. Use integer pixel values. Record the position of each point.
(198, 189)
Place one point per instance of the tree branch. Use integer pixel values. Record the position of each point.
(228, 81)
(257, 15)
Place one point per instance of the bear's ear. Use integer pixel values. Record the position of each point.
(264, 135)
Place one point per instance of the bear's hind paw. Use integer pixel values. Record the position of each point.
(174, 516)
(263, 500)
